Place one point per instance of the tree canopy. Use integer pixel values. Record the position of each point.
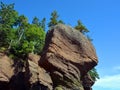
(18, 36)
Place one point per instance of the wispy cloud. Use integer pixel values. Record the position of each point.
(109, 82)
(117, 68)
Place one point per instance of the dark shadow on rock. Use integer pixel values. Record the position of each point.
(17, 82)
(87, 88)
(4, 86)
(38, 86)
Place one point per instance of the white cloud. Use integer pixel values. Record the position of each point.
(109, 82)
(117, 68)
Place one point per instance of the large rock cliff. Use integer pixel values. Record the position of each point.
(63, 65)
(68, 56)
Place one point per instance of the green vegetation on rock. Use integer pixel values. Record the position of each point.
(80, 27)
(54, 19)
(59, 87)
(19, 38)
(94, 75)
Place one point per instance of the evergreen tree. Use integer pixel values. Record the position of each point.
(60, 21)
(94, 74)
(54, 19)
(22, 24)
(39, 23)
(8, 17)
(43, 23)
(81, 27)
(36, 21)
(17, 35)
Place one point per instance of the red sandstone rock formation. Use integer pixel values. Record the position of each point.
(68, 56)
(37, 75)
(64, 64)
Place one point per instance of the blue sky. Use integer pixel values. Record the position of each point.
(101, 17)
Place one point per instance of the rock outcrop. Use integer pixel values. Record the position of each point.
(6, 71)
(87, 82)
(14, 75)
(38, 78)
(63, 65)
(68, 56)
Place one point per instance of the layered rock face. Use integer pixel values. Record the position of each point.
(68, 56)
(18, 75)
(63, 65)
(38, 78)
(6, 71)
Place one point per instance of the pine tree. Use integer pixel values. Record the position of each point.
(36, 21)
(43, 23)
(94, 74)
(54, 19)
(18, 36)
(81, 27)
(8, 17)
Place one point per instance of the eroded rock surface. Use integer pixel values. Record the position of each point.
(15, 75)
(68, 56)
(38, 78)
(6, 71)
(63, 65)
